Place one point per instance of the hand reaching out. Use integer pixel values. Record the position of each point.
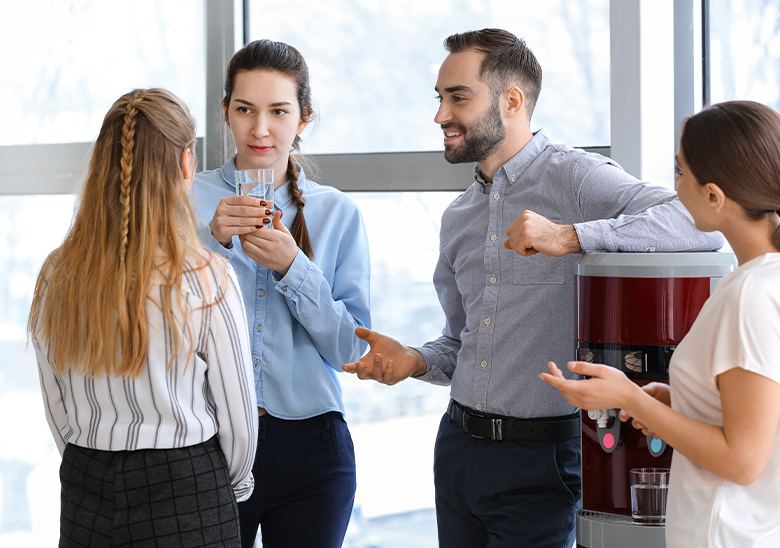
(387, 361)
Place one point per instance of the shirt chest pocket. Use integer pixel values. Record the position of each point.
(537, 270)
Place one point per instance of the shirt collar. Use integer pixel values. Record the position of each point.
(520, 162)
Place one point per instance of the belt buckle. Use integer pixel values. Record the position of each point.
(466, 429)
(497, 423)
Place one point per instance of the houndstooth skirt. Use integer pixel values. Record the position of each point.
(150, 498)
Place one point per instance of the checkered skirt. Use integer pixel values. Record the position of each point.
(150, 498)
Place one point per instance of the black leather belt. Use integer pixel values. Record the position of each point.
(510, 428)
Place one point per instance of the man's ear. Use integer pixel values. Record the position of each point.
(515, 101)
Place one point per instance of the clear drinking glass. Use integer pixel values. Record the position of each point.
(258, 183)
(649, 487)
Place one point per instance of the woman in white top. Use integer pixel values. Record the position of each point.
(722, 408)
(143, 348)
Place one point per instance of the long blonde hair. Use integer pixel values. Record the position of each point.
(134, 220)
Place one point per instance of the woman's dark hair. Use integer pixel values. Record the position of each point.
(736, 145)
(279, 57)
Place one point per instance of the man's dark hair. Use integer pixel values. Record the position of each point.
(507, 61)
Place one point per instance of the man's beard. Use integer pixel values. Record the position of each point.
(480, 140)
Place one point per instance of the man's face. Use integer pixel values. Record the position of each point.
(469, 114)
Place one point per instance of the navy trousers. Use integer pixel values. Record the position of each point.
(304, 474)
(502, 494)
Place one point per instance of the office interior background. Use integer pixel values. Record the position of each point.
(619, 76)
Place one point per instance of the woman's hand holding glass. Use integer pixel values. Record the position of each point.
(273, 249)
(237, 215)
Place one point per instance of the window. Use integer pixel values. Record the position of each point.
(374, 65)
(74, 58)
(744, 51)
(30, 228)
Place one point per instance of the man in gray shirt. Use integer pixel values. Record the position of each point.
(508, 302)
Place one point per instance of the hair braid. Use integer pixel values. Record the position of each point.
(299, 229)
(126, 164)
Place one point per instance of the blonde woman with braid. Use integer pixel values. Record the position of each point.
(305, 283)
(143, 348)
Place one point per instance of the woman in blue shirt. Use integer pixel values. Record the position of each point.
(305, 285)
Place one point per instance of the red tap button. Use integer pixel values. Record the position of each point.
(608, 440)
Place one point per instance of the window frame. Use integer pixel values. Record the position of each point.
(225, 31)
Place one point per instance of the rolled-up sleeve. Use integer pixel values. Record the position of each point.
(621, 214)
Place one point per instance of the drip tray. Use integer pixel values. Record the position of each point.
(603, 530)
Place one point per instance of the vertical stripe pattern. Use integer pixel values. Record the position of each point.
(208, 390)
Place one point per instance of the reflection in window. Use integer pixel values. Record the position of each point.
(745, 51)
(374, 65)
(74, 58)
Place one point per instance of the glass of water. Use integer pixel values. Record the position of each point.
(258, 183)
(649, 487)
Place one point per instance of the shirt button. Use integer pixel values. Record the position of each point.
(435, 373)
(651, 248)
(496, 195)
(257, 362)
(260, 293)
(487, 321)
(493, 238)
(479, 406)
(284, 288)
(483, 364)
(493, 279)
(259, 327)
(514, 178)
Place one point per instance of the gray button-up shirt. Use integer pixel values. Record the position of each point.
(508, 315)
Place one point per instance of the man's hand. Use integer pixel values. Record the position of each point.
(531, 234)
(387, 361)
(238, 215)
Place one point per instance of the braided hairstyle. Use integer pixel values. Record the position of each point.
(736, 145)
(283, 58)
(134, 224)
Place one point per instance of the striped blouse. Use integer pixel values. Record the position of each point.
(207, 391)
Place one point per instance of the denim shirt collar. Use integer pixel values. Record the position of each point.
(282, 196)
(519, 163)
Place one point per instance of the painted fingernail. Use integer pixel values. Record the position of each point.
(266, 221)
(263, 203)
(269, 212)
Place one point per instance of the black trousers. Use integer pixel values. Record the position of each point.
(505, 494)
(150, 498)
(304, 474)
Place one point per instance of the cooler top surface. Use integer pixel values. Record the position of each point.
(713, 264)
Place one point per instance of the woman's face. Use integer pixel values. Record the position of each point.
(694, 196)
(264, 117)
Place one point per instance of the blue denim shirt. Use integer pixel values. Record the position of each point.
(302, 325)
(508, 315)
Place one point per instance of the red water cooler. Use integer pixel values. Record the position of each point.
(632, 311)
